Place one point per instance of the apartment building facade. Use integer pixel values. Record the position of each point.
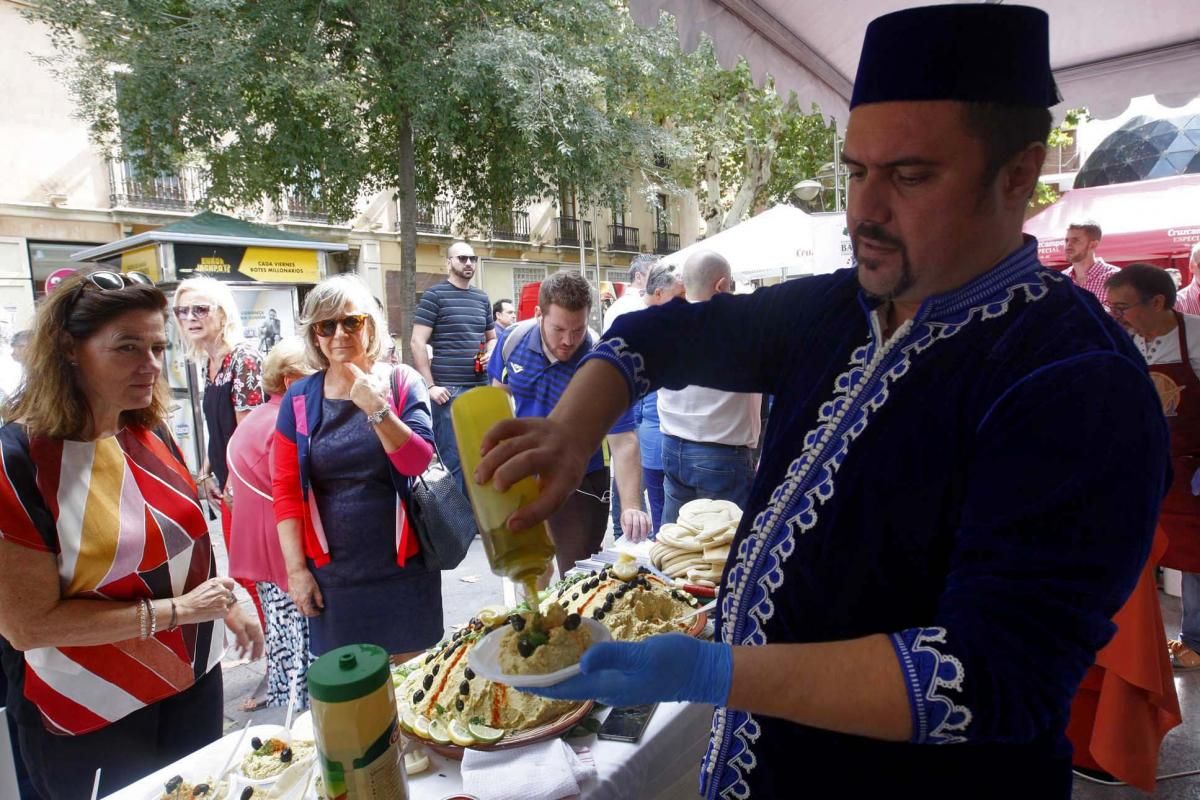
(61, 195)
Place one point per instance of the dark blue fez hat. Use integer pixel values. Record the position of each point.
(968, 52)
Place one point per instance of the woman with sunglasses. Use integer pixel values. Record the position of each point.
(345, 448)
(210, 326)
(112, 615)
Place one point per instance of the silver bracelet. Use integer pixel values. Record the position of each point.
(377, 417)
(141, 619)
(153, 618)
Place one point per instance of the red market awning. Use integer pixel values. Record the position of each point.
(1142, 221)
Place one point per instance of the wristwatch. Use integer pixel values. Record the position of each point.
(377, 417)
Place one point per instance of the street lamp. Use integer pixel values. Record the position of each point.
(809, 190)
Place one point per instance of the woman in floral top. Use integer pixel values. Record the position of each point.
(211, 328)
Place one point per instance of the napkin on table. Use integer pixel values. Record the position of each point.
(546, 770)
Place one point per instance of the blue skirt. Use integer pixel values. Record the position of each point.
(401, 614)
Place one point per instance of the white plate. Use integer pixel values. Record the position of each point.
(484, 659)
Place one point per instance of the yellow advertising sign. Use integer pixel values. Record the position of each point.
(280, 265)
(142, 259)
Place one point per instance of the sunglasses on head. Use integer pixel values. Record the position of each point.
(199, 311)
(467, 259)
(108, 281)
(351, 323)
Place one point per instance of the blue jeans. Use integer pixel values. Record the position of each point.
(1189, 625)
(443, 435)
(693, 470)
(653, 478)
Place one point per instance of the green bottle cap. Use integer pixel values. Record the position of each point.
(348, 673)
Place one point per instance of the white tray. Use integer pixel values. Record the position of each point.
(484, 659)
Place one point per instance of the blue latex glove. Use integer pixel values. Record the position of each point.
(666, 668)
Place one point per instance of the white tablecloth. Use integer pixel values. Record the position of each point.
(664, 764)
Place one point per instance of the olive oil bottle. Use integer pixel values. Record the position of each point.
(520, 556)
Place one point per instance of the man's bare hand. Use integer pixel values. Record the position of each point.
(635, 524)
(517, 448)
(439, 395)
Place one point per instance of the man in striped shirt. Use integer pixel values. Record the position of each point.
(536, 368)
(1087, 270)
(1187, 301)
(455, 319)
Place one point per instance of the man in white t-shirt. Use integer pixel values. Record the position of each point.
(632, 299)
(708, 436)
(1142, 297)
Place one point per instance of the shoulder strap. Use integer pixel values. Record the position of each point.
(515, 337)
(398, 401)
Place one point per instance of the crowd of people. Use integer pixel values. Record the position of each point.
(914, 516)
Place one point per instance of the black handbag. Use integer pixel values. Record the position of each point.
(440, 514)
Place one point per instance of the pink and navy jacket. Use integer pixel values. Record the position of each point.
(300, 420)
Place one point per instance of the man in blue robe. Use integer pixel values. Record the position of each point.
(960, 477)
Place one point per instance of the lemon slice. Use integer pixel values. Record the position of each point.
(420, 726)
(459, 734)
(492, 614)
(415, 762)
(438, 732)
(408, 720)
(485, 735)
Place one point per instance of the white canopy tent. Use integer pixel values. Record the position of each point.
(778, 243)
(1103, 53)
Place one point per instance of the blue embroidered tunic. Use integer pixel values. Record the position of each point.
(982, 487)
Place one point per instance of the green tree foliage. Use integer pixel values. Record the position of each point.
(492, 102)
(747, 145)
(1063, 135)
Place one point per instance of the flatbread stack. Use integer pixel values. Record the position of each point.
(696, 547)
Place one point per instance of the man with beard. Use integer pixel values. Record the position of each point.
(933, 547)
(455, 319)
(537, 359)
(1087, 270)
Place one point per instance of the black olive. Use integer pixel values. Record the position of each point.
(418, 696)
(459, 704)
(286, 755)
(464, 687)
(572, 622)
(429, 657)
(525, 647)
(575, 596)
(200, 790)
(469, 673)
(608, 606)
(643, 571)
(428, 682)
(255, 743)
(435, 669)
(517, 621)
(174, 783)
(598, 614)
(247, 793)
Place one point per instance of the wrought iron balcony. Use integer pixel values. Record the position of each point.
(665, 243)
(511, 228)
(181, 190)
(297, 208)
(435, 219)
(624, 239)
(568, 232)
